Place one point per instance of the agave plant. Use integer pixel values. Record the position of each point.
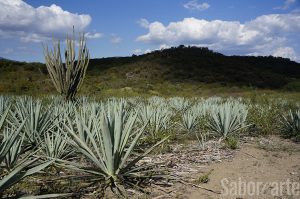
(56, 145)
(8, 140)
(15, 169)
(291, 124)
(85, 121)
(157, 101)
(189, 121)
(202, 108)
(4, 103)
(38, 119)
(25, 168)
(179, 103)
(110, 149)
(157, 118)
(12, 156)
(67, 77)
(227, 119)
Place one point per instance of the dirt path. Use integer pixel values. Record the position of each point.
(266, 161)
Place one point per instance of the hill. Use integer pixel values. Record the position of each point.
(174, 68)
(2, 58)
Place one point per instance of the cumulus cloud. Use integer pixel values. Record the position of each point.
(19, 19)
(137, 51)
(144, 23)
(287, 4)
(194, 5)
(285, 52)
(148, 51)
(93, 35)
(115, 39)
(261, 35)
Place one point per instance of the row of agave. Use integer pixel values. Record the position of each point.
(37, 133)
(35, 136)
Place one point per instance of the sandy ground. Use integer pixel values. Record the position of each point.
(261, 168)
(256, 171)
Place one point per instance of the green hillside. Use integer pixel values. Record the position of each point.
(181, 70)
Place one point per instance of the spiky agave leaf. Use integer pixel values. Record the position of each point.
(4, 103)
(55, 145)
(157, 118)
(179, 103)
(291, 124)
(25, 168)
(10, 148)
(38, 119)
(11, 143)
(110, 150)
(227, 119)
(10, 139)
(12, 156)
(83, 120)
(189, 121)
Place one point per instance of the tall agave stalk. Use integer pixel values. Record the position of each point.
(67, 77)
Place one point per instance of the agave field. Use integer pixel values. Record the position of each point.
(99, 146)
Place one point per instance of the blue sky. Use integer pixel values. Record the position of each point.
(126, 27)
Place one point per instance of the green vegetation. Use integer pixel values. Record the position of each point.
(291, 124)
(109, 147)
(67, 77)
(181, 71)
(103, 144)
(231, 142)
(14, 168)
(125, 115)
(204, 178)
(228, 119)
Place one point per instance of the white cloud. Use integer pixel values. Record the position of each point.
(21, 20)
(192, 30)
(286, 52)
(115, 39)
(261, 35)
(163, 46)
(90, 35)
(148, 51)
(287, 4)
(194, 5)
(144, 23)
(137, 51)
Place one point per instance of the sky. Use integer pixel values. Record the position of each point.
(126, 27)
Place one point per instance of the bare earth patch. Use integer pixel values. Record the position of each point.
(265, 161)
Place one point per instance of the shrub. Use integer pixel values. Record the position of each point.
(231, 142)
